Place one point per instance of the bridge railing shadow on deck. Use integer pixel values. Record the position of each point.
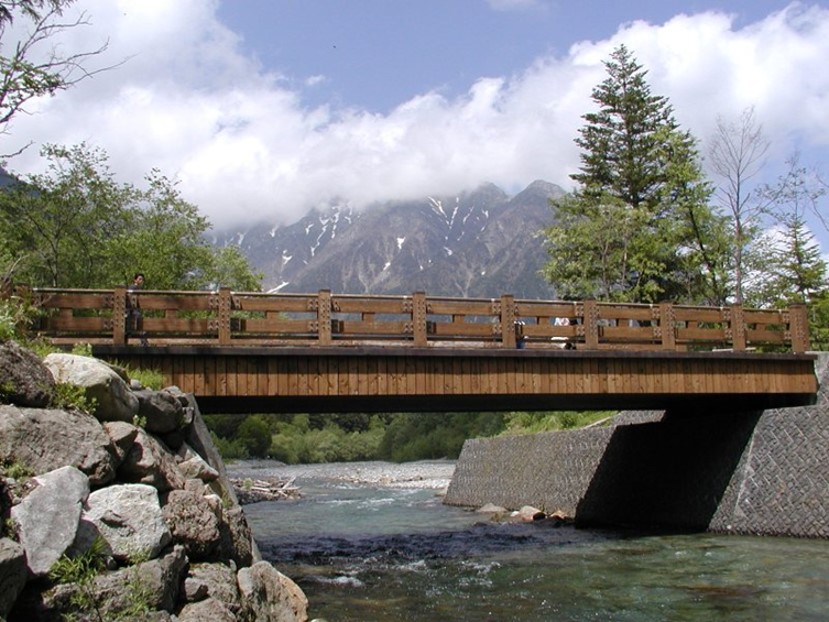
(227, 318)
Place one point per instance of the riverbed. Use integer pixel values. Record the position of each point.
(373, 542)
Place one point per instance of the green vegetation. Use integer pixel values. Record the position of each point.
(15, 470)
(76, 226)
(302, 439)
(72, 396)
(81, 570)
(149, 378)
(638, 228)
(645, 225)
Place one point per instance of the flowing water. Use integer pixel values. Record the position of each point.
(377, 549)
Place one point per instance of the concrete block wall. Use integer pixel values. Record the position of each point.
(746, 472)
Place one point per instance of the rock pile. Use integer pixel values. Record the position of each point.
(135, 491)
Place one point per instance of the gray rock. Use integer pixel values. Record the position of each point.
(122, 435)
(209, 609)
(128, 518)
(194, 590)
(270, 596)
(162, 578)
(197, 468)
(193, 522)
(45, 440)
(48, 516)
(149, 462)
(236, 538)
(528, 514)
(24, 379)
(134, 593)
(220, 580)
(12, 574)
(161, 409)
(113, 397)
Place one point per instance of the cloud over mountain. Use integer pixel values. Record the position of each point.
(247, 146)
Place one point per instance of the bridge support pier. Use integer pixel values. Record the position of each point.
(764, 473)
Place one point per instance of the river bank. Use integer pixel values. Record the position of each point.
(425, 474)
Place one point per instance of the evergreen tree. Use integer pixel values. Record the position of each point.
(790, 267)
(638, 228)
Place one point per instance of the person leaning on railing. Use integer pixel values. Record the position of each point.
(134, 316)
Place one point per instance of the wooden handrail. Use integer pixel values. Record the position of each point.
(227, 318)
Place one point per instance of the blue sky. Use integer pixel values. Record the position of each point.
(376, 54)
(264, 109)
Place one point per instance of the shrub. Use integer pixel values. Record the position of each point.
(72, 396)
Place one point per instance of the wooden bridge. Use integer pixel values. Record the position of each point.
(255, 352)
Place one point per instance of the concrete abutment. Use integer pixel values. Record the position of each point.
(753, 472)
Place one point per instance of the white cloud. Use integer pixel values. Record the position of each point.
(244, 146)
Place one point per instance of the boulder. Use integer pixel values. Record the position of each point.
(270, 596)
(236, 539)
(193, 466)
(209, 609)
(194, 590)
(47, 518)
(128, 518)
(143, 592)
(528, 514)
(161, 409)
(193, 522)
(113, 398)
(199, 439)
(494, 510)
(122, 435)
(44, 440)
(12, 574)
(220, 580)
(149, 462)
(24, 379)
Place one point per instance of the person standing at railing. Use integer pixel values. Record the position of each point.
(134, 317)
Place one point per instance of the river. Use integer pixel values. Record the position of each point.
(373, 542)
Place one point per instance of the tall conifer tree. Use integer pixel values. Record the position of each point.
(638, 228)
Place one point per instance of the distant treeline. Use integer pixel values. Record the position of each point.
(401, 437)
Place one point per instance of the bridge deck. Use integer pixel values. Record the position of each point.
(254, 352)
(382, 379)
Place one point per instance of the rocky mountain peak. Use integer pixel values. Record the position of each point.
(479, 242)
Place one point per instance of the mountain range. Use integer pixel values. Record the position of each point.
(479, 243)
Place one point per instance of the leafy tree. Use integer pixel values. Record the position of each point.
(62, 222)
(165, 239)
(638, 228)
(737, 155)
(75, 226)
(35, 65)
(255, 436)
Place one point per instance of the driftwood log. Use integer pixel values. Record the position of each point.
(250, 490)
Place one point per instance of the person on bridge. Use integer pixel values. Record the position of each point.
(134, 317)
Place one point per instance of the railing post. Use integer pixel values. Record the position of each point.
(738, 328)
(799, 328)
(419, 326)
(508, 321)
(119, 316)
(591, 324)
(667, 325)
(225, 305)
(324, 317)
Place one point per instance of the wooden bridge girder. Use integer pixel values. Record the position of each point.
(429, 379)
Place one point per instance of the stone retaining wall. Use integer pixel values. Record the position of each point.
(749, 472)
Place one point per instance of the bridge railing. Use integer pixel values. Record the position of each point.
(324, 319)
